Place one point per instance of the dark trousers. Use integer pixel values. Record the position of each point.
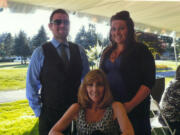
(141, 126)
(47, 120)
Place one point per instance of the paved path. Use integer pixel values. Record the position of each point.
(12, 95)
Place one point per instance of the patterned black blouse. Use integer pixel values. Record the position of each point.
(170, 102)
(106, 125)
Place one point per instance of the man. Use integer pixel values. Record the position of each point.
(54, 73)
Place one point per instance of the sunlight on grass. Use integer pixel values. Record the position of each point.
(167, 80)
(170, 64)
(17, 118)
(9, 63)
(12, 76)
(11, 79)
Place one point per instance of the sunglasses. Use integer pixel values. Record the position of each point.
(59, 22)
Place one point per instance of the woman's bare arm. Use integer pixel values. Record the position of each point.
(142, 93)
(123, 120)
(65, 120)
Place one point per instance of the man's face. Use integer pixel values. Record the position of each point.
(60, 26)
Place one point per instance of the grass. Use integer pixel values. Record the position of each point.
(17, 118)
(12, 76)
(167, 80)
(167, 64)
(12, 79)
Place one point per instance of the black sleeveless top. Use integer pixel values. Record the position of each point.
(106, 125)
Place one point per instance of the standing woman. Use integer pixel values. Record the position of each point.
(130, 69)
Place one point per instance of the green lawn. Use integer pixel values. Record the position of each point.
(12, 76)
(17, 118)
(171, 64)
(168, 64)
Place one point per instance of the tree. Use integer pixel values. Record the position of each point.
(81, 38)
(21, 47)
(2, 52)
(103, 41)
(91, 35)
(152, 41)
(6, 44)
(177, 42)
(87, 38)
(38, 39)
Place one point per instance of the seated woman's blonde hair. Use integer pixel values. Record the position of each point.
(93, 76)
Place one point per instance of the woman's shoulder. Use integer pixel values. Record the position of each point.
(74, 110)
(141, 47)
(74, 107)
(107, 48)
(116, 105)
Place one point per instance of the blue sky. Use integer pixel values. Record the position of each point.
(30, 23)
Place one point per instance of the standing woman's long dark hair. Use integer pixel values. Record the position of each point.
(130, 41)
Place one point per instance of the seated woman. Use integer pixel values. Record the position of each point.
(95, 110)
(170, 103)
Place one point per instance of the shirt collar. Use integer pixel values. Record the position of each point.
(56, 43)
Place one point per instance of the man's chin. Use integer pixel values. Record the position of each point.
(62, 36)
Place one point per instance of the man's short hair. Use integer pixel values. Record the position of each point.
(62, 11)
